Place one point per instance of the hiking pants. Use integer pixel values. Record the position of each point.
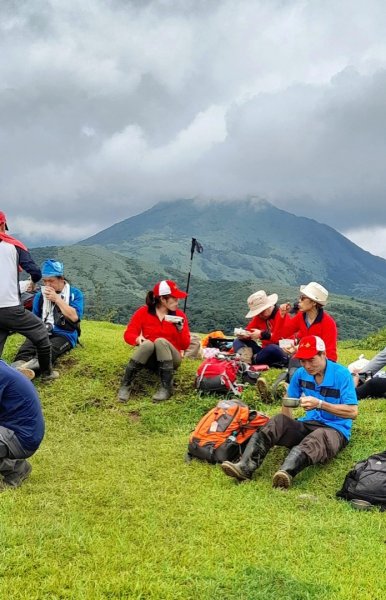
(160, 350)
(20, 320)
(12, 453)
(59, 344)
(372, 388)
(319, 442)
(270, 355)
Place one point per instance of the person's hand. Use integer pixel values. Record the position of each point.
(290, 350)
(285, 309)
(50, 293)
(309, 402)
(31, 287)
(140, 339)
(255, 334)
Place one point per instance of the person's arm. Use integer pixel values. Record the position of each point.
(347, 411)
(133, 332)
(348, 407)
(28, 264)
(184, 333)
(330, 337)
(287, 326)
(69, 312)
(375, 364)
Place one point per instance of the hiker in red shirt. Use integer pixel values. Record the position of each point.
(160, 332)
(261, 345)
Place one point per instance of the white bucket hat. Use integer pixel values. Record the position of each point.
(259, 301)
(315, 292)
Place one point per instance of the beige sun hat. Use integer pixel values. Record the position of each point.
(315, 292)
(259, 301)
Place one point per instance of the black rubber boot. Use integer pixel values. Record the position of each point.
(254, 454)
(296, 461)
(166, 371)
(131, 371)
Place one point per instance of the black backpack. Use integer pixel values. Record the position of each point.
(367, 481)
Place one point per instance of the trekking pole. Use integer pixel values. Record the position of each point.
(195, 246)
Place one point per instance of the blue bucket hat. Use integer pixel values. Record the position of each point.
(52, 268)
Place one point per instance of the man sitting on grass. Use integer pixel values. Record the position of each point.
(60, 306)
(21, 425)
(327, 394)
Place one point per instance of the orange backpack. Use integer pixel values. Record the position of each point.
(224, 431)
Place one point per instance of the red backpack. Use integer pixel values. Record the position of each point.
(224, 431)
(218, 374)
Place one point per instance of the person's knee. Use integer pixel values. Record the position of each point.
(161, 343)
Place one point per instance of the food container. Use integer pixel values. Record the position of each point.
(291, 402)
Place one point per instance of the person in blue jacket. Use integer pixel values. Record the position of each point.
(21, 426)
(60, 306)
(327, 394)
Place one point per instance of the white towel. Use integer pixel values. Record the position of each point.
(48, 306)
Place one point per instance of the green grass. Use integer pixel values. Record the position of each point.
(112, 511)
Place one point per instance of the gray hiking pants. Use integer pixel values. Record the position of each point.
(12, 453)
(376, 363)
(149, 353)
(319, 442)
(20, 320)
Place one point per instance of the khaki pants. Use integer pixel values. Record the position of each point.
(160, 350)
(319, 442)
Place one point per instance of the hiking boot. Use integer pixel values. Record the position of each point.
(131, 371)
(264, 391)
(254, 454)
(21, 471)
(50, 376)
(166, 371)
(280, 391)
(296, 461)
(246, 354)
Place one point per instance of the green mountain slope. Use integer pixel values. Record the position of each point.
(116, 285)
(247, 240)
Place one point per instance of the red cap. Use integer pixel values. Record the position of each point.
(309, 347)
(3, 219)
(168, 288)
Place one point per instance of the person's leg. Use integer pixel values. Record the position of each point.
(169, 359)
(280, 430)
(293, 365)
(26, 352)
(320, 445)
(13, 467)
(271, 355)
(142, 355)
(372, 388)
(22, 321)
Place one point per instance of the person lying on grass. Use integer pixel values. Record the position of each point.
(160, 332)
(327, 394)
(21, 425)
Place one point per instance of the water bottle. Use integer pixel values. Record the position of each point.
(233, 437)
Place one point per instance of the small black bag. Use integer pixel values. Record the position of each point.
(65, 324)
(367, 481)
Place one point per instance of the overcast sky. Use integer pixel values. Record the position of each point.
(107, 107)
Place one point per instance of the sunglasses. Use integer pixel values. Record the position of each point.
(301, 297)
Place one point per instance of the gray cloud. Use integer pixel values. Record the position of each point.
(111, 107)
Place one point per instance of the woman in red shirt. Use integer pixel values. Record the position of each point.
(261, 345)
(160, 332)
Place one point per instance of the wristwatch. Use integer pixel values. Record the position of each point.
(319, 404)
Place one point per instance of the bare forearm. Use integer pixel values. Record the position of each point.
(67, 311)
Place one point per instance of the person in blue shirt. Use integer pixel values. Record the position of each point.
(327, 393)
(21, 425)
(60, 306)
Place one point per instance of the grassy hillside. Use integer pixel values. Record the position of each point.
(116, 285)
(112, 511)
